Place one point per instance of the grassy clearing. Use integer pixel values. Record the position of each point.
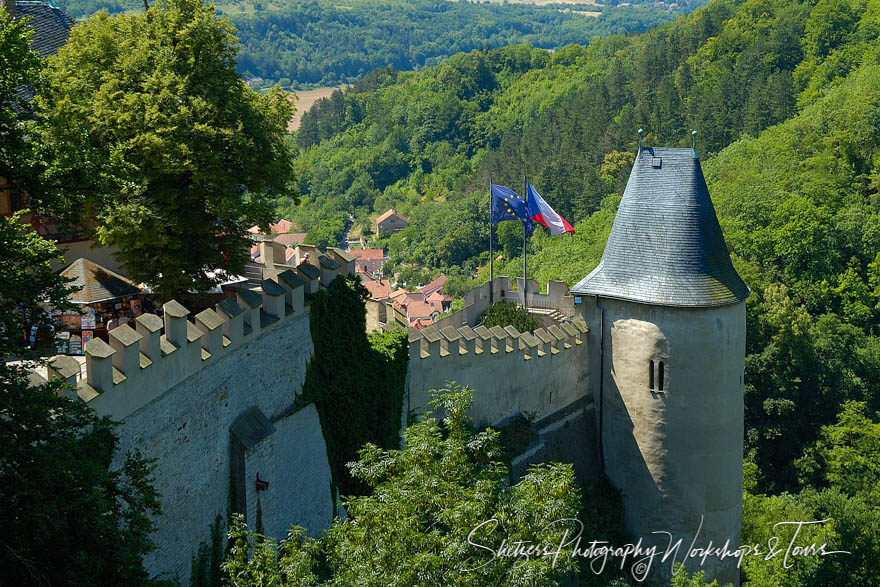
(305, 100)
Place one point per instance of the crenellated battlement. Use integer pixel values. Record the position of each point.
(535, 373)
(141, 363)
(447, 341)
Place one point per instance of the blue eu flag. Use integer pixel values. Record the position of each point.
(509, 205)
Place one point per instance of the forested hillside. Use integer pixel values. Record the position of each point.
(784, 97)
(326, 43)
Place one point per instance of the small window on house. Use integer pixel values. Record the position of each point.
(651, 376)
(656, 162)
(660, 377)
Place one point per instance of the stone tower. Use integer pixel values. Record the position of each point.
(670, 311)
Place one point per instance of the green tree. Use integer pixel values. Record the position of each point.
(424, 521)
(20, 71)
(70, 514)
(509, 314)
(681, 578)
(846, 455)
(27, 285)
(840, 479)
(355, 379)
(194, 155)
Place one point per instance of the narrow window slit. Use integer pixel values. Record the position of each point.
(651, 376)
(661, 376)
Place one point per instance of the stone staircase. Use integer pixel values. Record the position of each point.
(552, 314)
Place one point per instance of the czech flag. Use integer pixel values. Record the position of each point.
(540, 211)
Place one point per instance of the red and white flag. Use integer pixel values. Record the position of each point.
(540, 211)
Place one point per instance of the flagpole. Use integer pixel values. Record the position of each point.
(526, 191)
(491, 260)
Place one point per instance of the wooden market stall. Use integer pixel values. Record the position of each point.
(102, 295)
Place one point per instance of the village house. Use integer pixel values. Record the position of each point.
(415, 310)
(279, 232)
(380, 289)
(281, 227)
(440, 300)
(390, 222)
(368, 263)
(434, 286)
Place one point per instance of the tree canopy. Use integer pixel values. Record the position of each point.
(192, 154)
(424, 520)
(322, 42)
(509, 314)
(71, 513)
(20, 71)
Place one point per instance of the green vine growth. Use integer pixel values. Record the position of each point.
(356, 380)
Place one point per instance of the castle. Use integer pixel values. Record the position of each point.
(637, 372)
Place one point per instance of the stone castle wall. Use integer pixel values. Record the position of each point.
(544, 376)
(214, 402)
(511, 372)
(187, 430)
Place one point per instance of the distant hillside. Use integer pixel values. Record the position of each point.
(332, 42)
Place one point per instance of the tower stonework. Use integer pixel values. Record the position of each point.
(667, 315)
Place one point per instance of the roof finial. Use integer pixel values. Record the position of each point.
(641, 131)
(694, 143)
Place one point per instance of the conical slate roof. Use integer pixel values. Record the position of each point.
(666, 246)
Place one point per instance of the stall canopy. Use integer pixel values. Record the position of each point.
(96, 283)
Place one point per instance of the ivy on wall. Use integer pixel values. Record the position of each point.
(206, 562)
(356, 380)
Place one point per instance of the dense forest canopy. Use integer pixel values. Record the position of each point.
(323, 42)
(328, 43)
(783, 95)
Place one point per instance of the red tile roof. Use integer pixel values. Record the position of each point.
(420, 323)
(406, 299)
(416, 309)
(388, 214)
(435, 285)
(398, 292)
(281, 227)
(290, 239)
(379, 290)
(369, 254)
(439, 297)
